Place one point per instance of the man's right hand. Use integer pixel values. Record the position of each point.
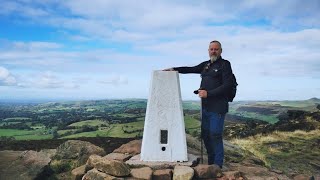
(168, 69)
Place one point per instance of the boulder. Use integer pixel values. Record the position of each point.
(142, 173)
(207, 171)
(162, 174)
(112, 167)
(183, 173)
(132, 147)
(302, 177)
(233, 175)
(28, 165)
(78, 172)
(76, 149)
(94, 174)
(118, 157)
(73, 153)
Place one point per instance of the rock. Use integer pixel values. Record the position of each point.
(73, 153)
(118, 157)
(262, 178)
(80, 150)
(142, 173)
(78, 172)
(132, 147)
(233, 175)
(112, 167)
(301, 177)
(94, 174)
(162, 174)
(257, 172)
(183, 173)
(28, 165)
(253, 160)
(207, 171)
(93, 159)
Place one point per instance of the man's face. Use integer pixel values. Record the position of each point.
(214, 51)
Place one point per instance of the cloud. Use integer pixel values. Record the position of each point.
(6, 79)
(48, 80)
(24, 9)
(115, 80)
(107, 41)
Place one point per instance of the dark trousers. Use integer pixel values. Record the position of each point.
(212, 130)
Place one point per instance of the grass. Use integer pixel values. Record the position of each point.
(267, 118)
(192, 125)
(7, 123)
(16, 119)
(117, 130)
(26, 134)
(287, 151)
(114, 130)
(89, 123)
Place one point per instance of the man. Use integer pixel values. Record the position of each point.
(216, 80)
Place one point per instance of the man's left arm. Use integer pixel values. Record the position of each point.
(226, 81)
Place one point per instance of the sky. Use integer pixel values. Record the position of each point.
(108, 49)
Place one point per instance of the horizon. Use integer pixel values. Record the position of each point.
(39, 101)
(81, 50)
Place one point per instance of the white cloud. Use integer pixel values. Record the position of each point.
(261, 39)
(6, 79)
(48, 80)
(115, 80)
(23, 9)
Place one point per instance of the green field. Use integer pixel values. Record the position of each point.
(267, 118)
(117, 130)
(114, 130)
(89, 123)
(16, 119)
(26, 135)
(119, 118)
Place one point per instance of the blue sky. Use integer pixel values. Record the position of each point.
(101, 49)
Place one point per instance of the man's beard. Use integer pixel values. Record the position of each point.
(213, 58)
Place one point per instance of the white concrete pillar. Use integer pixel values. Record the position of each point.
(164, 137)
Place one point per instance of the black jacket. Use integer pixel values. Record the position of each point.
(216, 79)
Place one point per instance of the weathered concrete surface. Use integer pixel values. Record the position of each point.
(164, 116)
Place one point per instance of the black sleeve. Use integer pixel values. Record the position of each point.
(226, 80)
(195, 69)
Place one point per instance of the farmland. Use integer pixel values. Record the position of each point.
(120, 118)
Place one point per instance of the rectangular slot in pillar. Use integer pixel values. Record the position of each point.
(164, 136)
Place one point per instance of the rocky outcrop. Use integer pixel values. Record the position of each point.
(28, 165)
(132, 148)
(73, 153)
(79, 150)
(33, 165)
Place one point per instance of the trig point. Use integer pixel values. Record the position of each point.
(164, 137)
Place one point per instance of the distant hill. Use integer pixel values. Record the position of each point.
(314, 100)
